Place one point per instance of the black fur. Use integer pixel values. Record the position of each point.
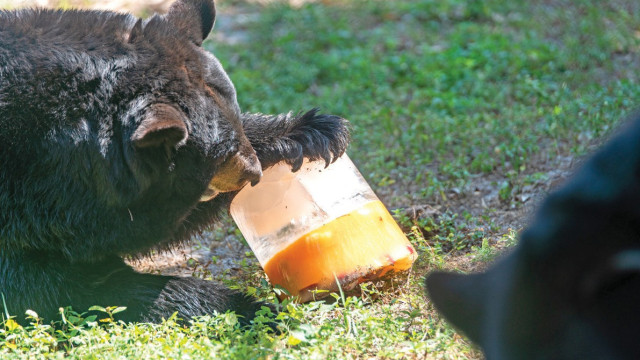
(82, 182)
(571, 288)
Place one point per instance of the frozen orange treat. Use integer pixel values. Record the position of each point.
(318, 225)
(361, 245)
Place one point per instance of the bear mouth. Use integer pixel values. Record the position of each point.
(209, 194)
(214, 188)
(234, 173)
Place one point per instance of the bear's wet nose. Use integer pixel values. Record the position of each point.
(253, 170)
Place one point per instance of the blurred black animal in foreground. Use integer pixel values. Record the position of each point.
(571, 287)
(117, 136)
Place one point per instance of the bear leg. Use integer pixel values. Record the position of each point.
(293, 137)
(45, 282)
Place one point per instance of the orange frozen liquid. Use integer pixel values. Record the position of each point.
(362, 245)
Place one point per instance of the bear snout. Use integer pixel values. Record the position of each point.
(240, 169)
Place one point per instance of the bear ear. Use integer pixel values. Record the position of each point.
(162, 125)
(136, 32)
(460, 299)
(194, 18)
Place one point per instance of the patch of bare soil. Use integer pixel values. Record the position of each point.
(515, 212)
(482, 198)
(204, 256)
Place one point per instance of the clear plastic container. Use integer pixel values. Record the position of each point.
(309, 228)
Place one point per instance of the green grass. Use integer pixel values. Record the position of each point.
(442, 94)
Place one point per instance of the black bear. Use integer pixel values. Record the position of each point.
(117, 136)
(571, 288)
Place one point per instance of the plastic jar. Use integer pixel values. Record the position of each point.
(309, 228)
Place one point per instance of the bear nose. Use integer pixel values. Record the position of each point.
(240, 169)
(252, 171)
